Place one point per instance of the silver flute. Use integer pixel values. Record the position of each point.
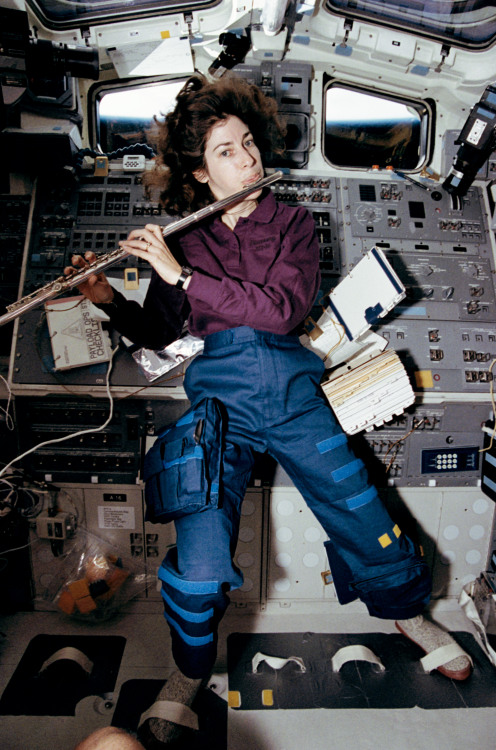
(63, 283)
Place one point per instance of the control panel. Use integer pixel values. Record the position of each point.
(435, 445)
(320, 196)
(72, 217)
(414, 217)
(112, 455)
(442, 356)
(444, 330)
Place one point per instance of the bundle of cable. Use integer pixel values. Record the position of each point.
(369, 394)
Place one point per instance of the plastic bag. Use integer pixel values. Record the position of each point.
(155, 363)
(98, 579)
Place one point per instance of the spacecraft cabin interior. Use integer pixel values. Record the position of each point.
(390, 115)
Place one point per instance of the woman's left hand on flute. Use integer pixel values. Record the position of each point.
(148, 244)
(97, 287)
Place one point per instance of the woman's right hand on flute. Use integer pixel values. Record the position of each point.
(96, 287)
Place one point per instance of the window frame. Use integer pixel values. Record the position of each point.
(120, 13)
(389, 14)
(427, 120)
(99, 89)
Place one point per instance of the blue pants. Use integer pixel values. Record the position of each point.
(269, 385)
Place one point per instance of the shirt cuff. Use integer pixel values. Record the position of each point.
(111, 308)
(204, 288)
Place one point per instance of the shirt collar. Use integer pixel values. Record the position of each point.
(266, 209)
(264, 212)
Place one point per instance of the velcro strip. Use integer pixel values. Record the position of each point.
(347, 470)
(191, 640)
(188, 587)
(186, 614)
(333, 442)
(362, 499)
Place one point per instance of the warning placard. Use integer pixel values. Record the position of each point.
(116, 517)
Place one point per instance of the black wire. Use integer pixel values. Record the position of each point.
(409, 179)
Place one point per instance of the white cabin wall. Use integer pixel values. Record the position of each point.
(380, 59)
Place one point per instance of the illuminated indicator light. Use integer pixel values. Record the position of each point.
(397, 531)
(234, 699)
(267, 698)
(385, 540)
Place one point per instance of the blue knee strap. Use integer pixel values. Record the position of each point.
(186, 614)
(192, 608)
(187, 587)
(190, 640)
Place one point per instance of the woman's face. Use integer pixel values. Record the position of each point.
(232, 159)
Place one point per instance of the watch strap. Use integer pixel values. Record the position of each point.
(185, 274)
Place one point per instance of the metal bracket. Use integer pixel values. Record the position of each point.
(348, 25)
(445, 50)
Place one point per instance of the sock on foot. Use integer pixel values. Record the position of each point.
(180, 689)
(429, 637)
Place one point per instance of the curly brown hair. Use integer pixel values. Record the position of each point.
(182, 136)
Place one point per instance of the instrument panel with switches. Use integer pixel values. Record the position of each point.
(444, 330)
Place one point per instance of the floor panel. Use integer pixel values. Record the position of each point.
(146, 656)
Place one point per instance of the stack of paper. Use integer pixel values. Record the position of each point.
(369, 394)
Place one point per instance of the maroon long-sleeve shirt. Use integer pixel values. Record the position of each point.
(263, 274)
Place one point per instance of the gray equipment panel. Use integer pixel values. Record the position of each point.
(399, 212)
(434, 445)
(444, 331)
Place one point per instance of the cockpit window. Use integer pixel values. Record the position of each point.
(464, 23)
(364, 129)
(69, 14)
(122, 114)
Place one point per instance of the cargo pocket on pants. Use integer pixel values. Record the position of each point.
(182, 469)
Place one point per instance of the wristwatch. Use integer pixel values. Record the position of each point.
(185, 274)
